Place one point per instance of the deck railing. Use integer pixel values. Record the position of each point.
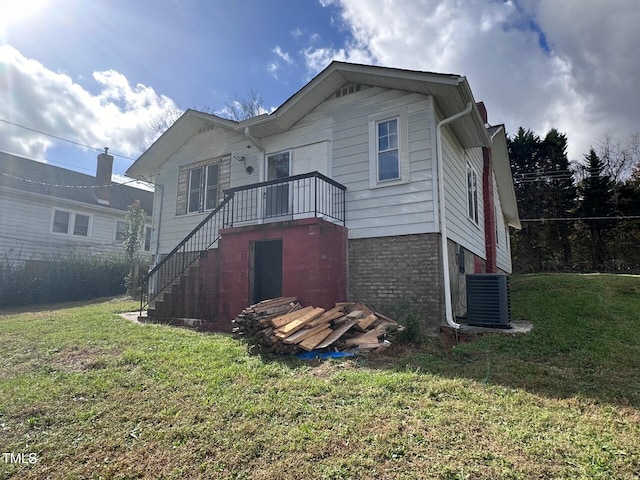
(290, 198)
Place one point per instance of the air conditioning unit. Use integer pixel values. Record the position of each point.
(488, 300)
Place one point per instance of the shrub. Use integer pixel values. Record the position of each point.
(61, 279)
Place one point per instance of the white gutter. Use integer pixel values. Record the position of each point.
(443, 219)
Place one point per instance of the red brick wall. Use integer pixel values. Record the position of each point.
(314, 263)
(488, 203)
(489, 211)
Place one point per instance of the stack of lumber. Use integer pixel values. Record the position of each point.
(282, 325)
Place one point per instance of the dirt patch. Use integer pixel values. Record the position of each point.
(76, 359)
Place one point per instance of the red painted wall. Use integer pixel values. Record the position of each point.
(314, 263)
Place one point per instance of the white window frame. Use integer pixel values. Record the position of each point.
(473, 195)
(203, 188)
(401, 116)
(71, 226)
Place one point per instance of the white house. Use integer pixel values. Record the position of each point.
(48, 212)
(369, 184)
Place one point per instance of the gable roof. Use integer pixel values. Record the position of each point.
(27, 175)
(451, 93)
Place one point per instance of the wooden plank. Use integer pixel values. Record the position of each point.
(298, 323)
(288, 317)
(344, 304)
(303, 334)
(363, 307)
(337, 333)
(356, 314)
(327, 317)
(364, 338)
(273, 304)
(340, 320)
(313, 341)
(366, 322)
(385, 318)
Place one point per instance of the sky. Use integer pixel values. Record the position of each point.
(100, 72)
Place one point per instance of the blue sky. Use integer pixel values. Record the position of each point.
(97, 72)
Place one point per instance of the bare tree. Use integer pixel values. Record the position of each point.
(236, 109)
(239, 109)
(619, 159)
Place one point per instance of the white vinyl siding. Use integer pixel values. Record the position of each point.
(34, 239)
(201, 148)
(503, 252)
(460, 228)
(401, 207)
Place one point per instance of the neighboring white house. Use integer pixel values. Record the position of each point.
(414, 160)
(48, 212)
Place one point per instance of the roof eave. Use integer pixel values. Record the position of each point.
(504, 178)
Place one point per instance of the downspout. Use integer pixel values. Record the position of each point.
(159, 221)
(443, 220)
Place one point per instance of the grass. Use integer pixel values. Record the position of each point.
(96, 396)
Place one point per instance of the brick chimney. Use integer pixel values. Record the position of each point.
(488, 201)
(103, 176)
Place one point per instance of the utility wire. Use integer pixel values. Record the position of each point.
(571, 219)
(63, 139)
(65, 186)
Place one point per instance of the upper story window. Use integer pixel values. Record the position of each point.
(472, 194)
(388, 148)
(66, 222)
(147, 239)
(388, 157)
(203, 188)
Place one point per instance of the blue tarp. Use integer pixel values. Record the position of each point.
(321, 354)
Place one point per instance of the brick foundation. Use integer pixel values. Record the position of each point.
(392, 274)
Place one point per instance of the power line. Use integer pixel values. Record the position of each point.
(65, 186)
(63, 139)
(571, 219)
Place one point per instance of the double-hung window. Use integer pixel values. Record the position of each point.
(388, 150)
(203, 188)
(66, 222)
(472, 194)
(121, 227)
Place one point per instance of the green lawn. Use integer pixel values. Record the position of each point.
(92, 395)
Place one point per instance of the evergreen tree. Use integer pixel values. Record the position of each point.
(560, 198)
(525, 155)
(597, 204)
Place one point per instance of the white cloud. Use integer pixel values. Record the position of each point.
(584, 83)
(283, 55)
(117, 116)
